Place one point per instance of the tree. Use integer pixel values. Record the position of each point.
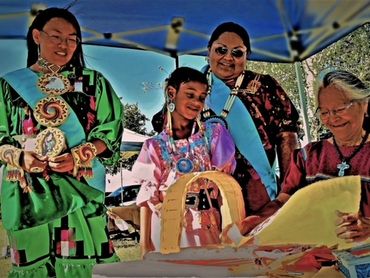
(351, 53)
(134, 119)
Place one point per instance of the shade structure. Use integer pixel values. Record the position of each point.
(131, 143)
(280, 30)
(121, 179)
(284, 31)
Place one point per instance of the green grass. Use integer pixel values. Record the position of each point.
(4, 263)
(126, 252)
(131, 253)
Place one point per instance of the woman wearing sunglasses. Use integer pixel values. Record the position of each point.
(261, 118)
(342, 101)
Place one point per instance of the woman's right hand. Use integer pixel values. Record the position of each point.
(33, 163)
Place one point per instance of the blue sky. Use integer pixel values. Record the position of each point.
(137, 76)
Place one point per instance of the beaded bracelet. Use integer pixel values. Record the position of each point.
(83, 156)
(12, 157)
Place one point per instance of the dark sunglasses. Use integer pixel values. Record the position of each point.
(236, 53)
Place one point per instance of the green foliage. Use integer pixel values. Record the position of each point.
(351, 53)
(134, 119)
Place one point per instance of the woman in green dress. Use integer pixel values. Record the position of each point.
(60, 124)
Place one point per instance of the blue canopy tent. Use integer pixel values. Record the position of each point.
(285, 31)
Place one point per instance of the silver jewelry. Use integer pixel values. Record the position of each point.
(345, 163)
(171, 106)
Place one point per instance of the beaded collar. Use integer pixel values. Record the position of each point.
(185, 164)
(52, 82)
(230, 100)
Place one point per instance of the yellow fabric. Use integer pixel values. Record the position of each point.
(232, 209)
(309, 215)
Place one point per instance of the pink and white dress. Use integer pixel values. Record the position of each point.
(157, 166)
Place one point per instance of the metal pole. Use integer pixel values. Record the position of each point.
(302, 99)
(120, 165)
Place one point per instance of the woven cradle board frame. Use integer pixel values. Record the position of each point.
(232, 209)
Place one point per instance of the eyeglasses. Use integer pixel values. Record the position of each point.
(70, 41)
(339, 111)
(236, 53)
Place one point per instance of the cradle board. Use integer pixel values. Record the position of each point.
(232, 209)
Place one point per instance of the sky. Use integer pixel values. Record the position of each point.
(137, 76)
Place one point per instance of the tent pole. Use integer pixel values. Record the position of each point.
(302, 98)
(176, 61)
(120, 166)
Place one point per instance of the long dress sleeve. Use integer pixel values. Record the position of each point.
(147, 170)
(9, 115)
(295, 177)
(109, 116)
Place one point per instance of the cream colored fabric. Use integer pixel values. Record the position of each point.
(309, 215)
(232, 209)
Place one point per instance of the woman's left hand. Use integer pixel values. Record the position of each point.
(61, 163)
(352, 227)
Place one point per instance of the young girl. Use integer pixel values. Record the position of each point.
(186, 145)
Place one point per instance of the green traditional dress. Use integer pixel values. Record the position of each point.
(59, 226)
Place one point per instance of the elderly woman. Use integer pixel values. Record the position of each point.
(342, 107)
(261, 118)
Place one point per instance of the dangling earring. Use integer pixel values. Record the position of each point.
(169, 125)
(171, 106)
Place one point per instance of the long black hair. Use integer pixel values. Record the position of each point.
(39, 22)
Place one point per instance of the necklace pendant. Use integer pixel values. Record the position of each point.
(54, 84)
(343, 166)
(184, 166)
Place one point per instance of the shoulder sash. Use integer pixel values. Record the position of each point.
(244, 133)
(24, 82)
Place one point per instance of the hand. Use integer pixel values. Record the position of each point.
(33, 163)
(61, 163)
(245, 226)
(249, 223)
(352, 227)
